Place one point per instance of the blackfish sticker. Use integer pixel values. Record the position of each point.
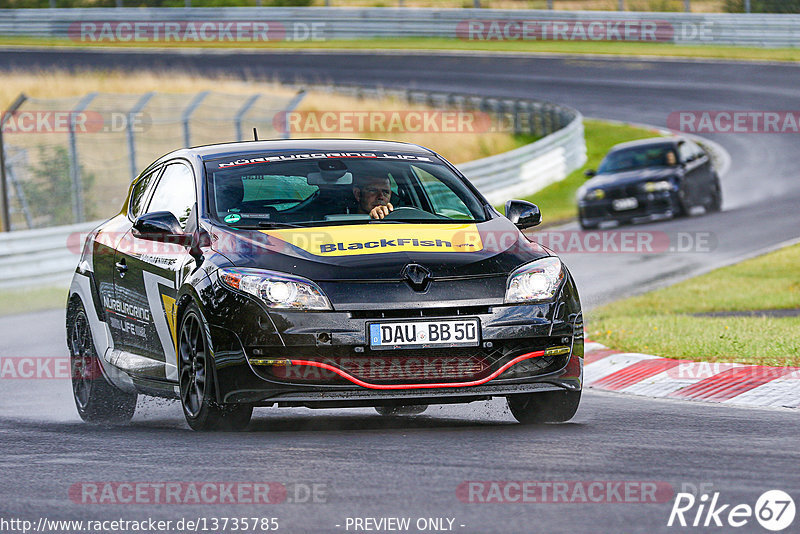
(375, 239)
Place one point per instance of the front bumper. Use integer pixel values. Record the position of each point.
(650, 206)
(251, 348)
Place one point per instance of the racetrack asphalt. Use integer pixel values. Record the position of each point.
(413, 466)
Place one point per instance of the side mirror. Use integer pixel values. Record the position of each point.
(590, 173)
(523, 214)
(161, 226)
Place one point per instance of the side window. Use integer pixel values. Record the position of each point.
(686, 153)
(443, 199)
(698, 152)
(174, 192)
(140, 192)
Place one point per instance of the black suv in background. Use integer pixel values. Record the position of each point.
(647, 180)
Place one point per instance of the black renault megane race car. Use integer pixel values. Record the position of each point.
(649, 179)
(319, 273)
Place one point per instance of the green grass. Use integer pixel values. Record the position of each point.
(18, 301)
(557, 201)
(658, 322)
(441, 43)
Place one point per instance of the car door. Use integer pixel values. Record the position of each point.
(693, 171)
(705, 173)
(148, 276)
(106, 243)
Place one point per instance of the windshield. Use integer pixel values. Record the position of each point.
(339, 188)
(636, 158)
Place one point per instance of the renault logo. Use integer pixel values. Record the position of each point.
(417, 276)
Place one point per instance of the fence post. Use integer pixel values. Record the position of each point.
(237, 120)
(550, 4)
(140, 104)
(289, 108)
(5, 217)
(687, 6)
(74, 166)
(621, 5)
(747, 6)
(187, 114)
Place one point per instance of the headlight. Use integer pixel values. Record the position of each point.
(276, 290)
(652, 187)
(596, 194)
(536, 281)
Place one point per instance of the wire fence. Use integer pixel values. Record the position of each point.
(67, 160)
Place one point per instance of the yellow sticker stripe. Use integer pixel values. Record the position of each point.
(169, 311)
(354, 240)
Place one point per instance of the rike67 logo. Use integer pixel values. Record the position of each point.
(774, 510)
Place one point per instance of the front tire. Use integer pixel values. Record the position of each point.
(196, 380)
(715, 204)
(97, 400)
(545, 407)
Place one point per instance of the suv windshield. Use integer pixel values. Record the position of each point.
(338, 188)
(636, 158)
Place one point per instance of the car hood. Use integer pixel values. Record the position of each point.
(630, 177)
(380, 251)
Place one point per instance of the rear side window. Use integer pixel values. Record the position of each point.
(174, 192)
(140, 192)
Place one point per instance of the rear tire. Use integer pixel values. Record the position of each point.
(97, 400)
(196, 380)
(545, 407)
(390, 411)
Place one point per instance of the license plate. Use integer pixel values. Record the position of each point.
(411, 334)
(622, 204)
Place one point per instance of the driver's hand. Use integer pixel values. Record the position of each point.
(379, 212)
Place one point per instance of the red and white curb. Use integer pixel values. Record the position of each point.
(652, 376)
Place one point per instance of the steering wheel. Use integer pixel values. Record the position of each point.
(408, 212)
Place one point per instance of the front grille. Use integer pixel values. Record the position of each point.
(623, 191)
(390, 368)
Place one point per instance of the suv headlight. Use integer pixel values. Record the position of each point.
(652, 187)
(536, 281)
(276, 290)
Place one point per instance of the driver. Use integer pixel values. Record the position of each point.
(372, 194)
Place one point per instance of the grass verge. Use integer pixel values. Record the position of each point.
(18, 301)
(610, 48)
(557, 201)
(660, 322)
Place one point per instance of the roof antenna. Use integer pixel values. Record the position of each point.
(255, 134)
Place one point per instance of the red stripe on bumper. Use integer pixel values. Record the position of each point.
(368, 385)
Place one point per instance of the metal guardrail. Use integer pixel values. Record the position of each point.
(50, 255)
(327, 23)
